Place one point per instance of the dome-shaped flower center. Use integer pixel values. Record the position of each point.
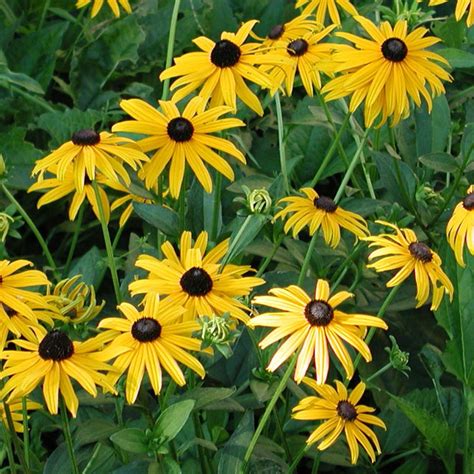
(325, 204)
(146, 329)
(276, 32)
(297, 47)
(394, 49)
(85, 137)
(56, 346)
(468, 202)
(421, 252)
(346, 410)
(180, 129)
(196, 282)
(318, 313)
(225, 54)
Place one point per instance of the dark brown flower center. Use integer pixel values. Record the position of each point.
(276, 32)
(146, 329)
(85, 137)
(56, 346)
(421, 252)
(468, 202)
(394, 49)
(318, 313)
(225, 54)
(180, 129)
(196, 282)
(346, 410)
(297, 47)
(325, 204)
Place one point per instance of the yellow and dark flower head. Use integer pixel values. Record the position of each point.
(113, 4)
(220, 70)
(307, 56)
(181, 138)
(386, 70)
(196, 280)
(12, 284)
(61, 187)
(149, 341)
(403, 251)
(317, 211)
(16, 410)
(53, 359)
(90, 152)
(341, 413)
(311, 326)
(460, 228)
(322, 7)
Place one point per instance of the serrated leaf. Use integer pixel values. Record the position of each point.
(172, 420)
(439, 161)
(163, 218)
(132, 440)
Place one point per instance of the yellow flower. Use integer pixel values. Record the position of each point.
(180, 139)
(16, 410)
(113, 4)
(318, 211)
(12, 293)
(61, 187)
(341, 413)
(386, 70)
(306, 55)
(460, 229)
(53, 359)
(88, 152)
(150, 340)
(310, 325)
(196, 280)
(220, 69)
(322, 6)
(405, 252)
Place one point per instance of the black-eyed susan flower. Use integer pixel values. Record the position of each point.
(113, 4)
(307, 56)
(53, 359)
(312, 325)
(461, 8)
(59, 188)
(16, 410)
(149, 341)
(460, 228)
(220, 70)
(387, 69)
(322, 7)
(196, 280)
(180, 139)
(89, 152)
(341, 413)
(12, 284)
(403, 251)
(317, 211)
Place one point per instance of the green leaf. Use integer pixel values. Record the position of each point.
(439, 161)
(172, 420)
(17, 78)
(232, 455)
(90, 266)
(415, 464)
(91, 431)
(163, 218)
(132, 440)
(457, 57)
(207, 396)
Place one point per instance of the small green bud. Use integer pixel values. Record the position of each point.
(5, 221)
(398, 358)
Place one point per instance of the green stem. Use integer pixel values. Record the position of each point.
(108, 244)
(268, 410)
(234, 241)
(26, 432)
(307, 258)
(95, 453)
(75, 238)
(403, 455)
(14, 437)
(298, 458)
(269, 257)
(342, 270)
(330, 152)
(216, 207)
(67, 436)
(170, 49)
(379, 372)
(34, 229)
(8, 444)
(182, 205)
(316, 461)
(205, 464)
(43, 14)
(7, 11)
(117, 237)
(386, 303)
(467, 461)
(281, 143)
(352, 166)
